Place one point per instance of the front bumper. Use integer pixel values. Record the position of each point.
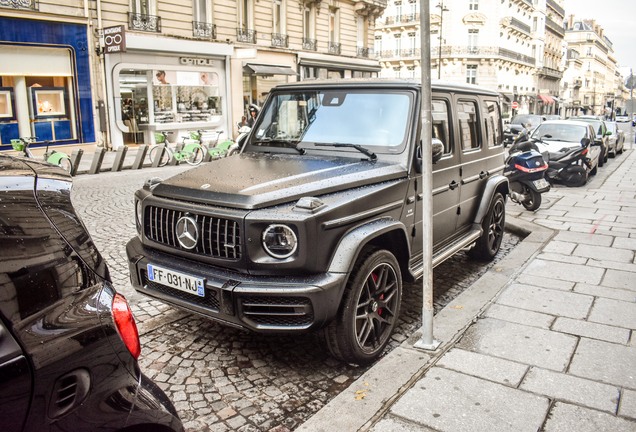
(264, 304)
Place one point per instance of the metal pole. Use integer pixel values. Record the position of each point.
(631, 98)
(442, 9)
(427, 341)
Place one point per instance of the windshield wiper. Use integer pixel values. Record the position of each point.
(358, 147)
(286, 143)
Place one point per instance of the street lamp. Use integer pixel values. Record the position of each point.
(442, 9)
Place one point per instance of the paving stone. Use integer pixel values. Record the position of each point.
(592, 330)
(476, 404)
(570, 418)
(591, 239)
(545, 282)
(564, 271)
(547, 301)
(484, 366)
(519, 316)
(602, 291)
(395, 424)
(559, 247)
(562, 258)
(604, 253)
(625, 243)
(627, 407)
(614, 312)
(620, 279)
(524, 344)
(606, 362)
(560, 386)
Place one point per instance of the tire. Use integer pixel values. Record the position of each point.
(534, 202)
(154, 156)
(196, 157)
(576, 177)
(594, 170)
(369, 310)
(493, 226)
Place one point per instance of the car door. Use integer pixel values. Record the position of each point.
(473, 172)
(446, 172)
(15, 382)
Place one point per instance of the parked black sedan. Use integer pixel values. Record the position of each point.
(68, 340)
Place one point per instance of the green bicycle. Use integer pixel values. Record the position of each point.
(161, 154)
(53, 157)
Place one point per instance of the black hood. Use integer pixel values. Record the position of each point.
(257, 180)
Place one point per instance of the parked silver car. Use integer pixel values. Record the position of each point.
(615, 141)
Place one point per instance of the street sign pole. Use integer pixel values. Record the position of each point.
(427, 342)
(631, 84)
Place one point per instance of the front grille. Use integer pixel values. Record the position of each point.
(218, 237)
(210, 301)
(278, 311)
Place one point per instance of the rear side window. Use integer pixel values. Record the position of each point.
(467, 117)
(492, 123)
(441, 122)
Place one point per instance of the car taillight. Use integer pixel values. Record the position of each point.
(126, 326)
(584, 152)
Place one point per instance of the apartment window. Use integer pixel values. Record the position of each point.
(201, 11)
(278, 17)
(471, 74)
(473, 36)
(334, 25)
(473, 5)
(245, 14)
(362, 32)
(534, 24)
(143, 7)
(378, 45)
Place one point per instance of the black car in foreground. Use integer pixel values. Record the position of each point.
(68, 341)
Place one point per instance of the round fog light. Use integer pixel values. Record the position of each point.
(279, 241)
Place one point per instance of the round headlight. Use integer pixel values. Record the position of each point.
(279, 241)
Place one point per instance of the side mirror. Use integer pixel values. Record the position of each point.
(585, 142)
(437, 148)
(608, 133)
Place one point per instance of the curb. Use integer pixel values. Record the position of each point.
(368, 398)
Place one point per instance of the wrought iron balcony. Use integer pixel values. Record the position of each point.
(554, 26)
(556, 7)
(362, 52)
(310, 44)
(246, 35)
(519, 25)
(552, 73)
(503, 52)
(20, 4)
(402, 19)
(577, 83)
(410, 52)
(280, 40)
(143, 22)
(335, 48)
(203, 30)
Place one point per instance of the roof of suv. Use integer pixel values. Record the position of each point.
(385, 83)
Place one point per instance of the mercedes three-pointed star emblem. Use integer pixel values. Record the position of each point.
(187, 232)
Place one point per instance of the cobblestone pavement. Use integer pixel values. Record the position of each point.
(221, 378)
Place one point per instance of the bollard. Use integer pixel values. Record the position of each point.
(159, 155)
(141, 156)
(76, 158)
(98, 158)
(119, 158)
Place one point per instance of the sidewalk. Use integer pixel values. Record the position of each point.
(544, 341)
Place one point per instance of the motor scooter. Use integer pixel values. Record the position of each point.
(570, 166)
(525, 169)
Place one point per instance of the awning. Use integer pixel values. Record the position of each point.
(507, 96)
(257, 69)
(546, 99)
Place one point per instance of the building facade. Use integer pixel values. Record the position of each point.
(126, 70)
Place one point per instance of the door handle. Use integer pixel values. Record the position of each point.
(453, 185)
(483, 174)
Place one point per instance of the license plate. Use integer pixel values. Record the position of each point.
(541, 184)
(177, 280)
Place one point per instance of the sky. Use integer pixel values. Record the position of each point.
(618, 18)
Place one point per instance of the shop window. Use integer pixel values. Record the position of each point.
(6, 104)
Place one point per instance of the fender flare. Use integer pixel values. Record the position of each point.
(497, 183)
(354, 241)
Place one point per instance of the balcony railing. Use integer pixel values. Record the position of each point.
(503, 52)
(310, 44)
(335, 48)
(402, 19)
(577, 83)
(410, 52)
(514, 22)
(449, 51)
(554, 26)
(203, 30)
(556, 7)
(363, 52)
(143, 22)
(549, 72)
(20, 4)
(280, 40)
(246, 35)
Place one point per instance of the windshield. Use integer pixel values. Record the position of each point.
(528, 120)
(560, 132)
(378, 121)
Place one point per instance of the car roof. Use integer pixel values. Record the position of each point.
(565, 122)
(385, 83)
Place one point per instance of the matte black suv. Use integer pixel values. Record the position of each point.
(68, 340)
(317, 221)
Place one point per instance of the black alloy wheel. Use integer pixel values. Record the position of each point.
(493, 227)
(369, 310)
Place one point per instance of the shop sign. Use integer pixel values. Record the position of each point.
(196, 61)
(115, 39)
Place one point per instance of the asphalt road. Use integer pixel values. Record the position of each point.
(224, 379)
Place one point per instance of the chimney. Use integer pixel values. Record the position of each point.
(570, 24)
